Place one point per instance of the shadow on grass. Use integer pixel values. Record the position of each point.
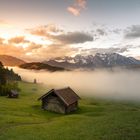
(45, 113)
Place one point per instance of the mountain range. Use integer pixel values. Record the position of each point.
(99, 60)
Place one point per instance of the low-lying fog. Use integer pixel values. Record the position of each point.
(115, 85)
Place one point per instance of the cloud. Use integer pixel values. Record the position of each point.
(60, 51)
(18, 40)
(132, 32)
(74, 10)
(33, 47)
(61, 43)
(128, 50)
(73, 37)
(33, 51)
(60, 47)
(41, 53)
(9, 49)
(117, 31)
(101, 32)
(93, 51)
(77, 7)
(58, 35)
(45, 30)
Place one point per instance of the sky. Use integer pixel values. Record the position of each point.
(36, 30)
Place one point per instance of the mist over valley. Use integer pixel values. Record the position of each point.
(117, 84)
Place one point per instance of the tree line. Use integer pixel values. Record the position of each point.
(8, 80)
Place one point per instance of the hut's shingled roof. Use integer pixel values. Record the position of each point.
(67, 95)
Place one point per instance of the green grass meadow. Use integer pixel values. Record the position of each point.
(96, 119)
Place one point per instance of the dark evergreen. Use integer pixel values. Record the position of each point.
(8, 80)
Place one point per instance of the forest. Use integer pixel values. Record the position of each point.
(8, 80)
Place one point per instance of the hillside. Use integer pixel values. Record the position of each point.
(40, 66)
(23, 119)
(10, 60)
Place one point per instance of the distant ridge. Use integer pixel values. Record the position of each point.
(8, 60)
(99, 60)
(40, 66)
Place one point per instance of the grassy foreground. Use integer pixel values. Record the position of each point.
(22, 119)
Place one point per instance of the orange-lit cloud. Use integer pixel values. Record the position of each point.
(74, 10)
(9, 49)
(33, 51)
(77, 7)
(33, 46)
(57, 35)
(82, 3)
(48, 52)
(45, 30)
(18, 40)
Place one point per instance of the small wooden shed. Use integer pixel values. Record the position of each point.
(61, 100)
(13, 94)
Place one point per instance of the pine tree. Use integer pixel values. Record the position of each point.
(2, 75)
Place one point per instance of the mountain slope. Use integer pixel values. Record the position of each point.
(10, 60)
(97, 61)
(40, 66)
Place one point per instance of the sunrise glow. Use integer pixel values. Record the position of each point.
(68, 29)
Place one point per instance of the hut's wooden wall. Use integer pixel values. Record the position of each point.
(72, 107)
(53, 103)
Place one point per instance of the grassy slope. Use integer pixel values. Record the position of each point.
(22, 119)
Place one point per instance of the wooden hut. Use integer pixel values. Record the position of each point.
(61, 100)
(13, 94)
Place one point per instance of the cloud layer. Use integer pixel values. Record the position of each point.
(50, 41)
(60, 43)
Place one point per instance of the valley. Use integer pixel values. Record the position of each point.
(95, 118)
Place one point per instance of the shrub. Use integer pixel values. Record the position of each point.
(4, 89)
